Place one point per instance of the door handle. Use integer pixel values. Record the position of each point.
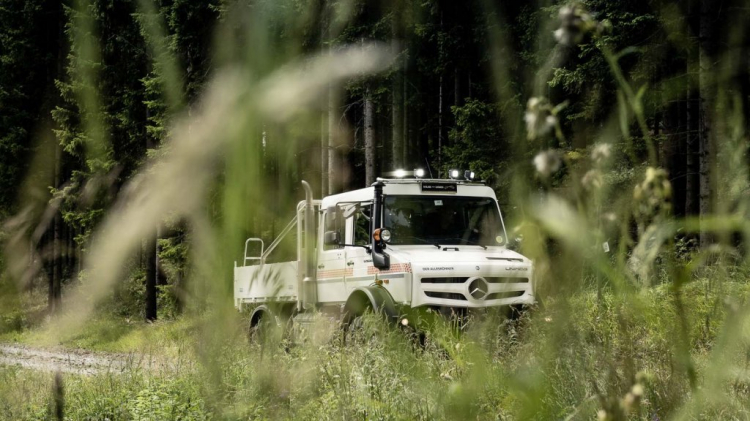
(350, 263)
(321, 266)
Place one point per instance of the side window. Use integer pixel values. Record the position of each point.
(333, 221)
(362, 226)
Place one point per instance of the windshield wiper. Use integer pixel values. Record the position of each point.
(418, 239)
(468, 242)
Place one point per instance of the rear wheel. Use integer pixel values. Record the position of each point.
(260, 324)
(266, 323)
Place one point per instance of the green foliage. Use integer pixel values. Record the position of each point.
(548, 363)
(586, 75)
(477, 142)
(100, 119)
(26, 61)
(129, 297)
(171, 400)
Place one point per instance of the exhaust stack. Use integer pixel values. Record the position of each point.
(309, 287)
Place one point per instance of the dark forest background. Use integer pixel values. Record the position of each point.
(456, 97)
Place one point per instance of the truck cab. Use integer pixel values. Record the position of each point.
(398, 245)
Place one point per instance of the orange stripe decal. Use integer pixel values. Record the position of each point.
(395, 268)
(335, 273)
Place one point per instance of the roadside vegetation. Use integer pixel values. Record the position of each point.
(568, 360)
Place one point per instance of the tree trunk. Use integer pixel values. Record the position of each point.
(55, 291)
(180, 293)
(161, 277)
(680, 174)
(397, 116)
(440, 126)
(79, 255)
(69, 249)
(406, 131)
(369, 141)
(332, 140)
(670, 152)
(324, 154)
(151, 268)
(325, 118)
(705, 107)
(691, 138)
(55, 282)
(397, 123)
(458, 94)
(440, 111)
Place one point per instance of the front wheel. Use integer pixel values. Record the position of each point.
(353, 322)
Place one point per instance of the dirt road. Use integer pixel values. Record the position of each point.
(74, 361)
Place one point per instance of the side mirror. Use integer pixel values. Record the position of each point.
(381, 260)
(332, 238)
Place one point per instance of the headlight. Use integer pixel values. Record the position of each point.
(381, 234)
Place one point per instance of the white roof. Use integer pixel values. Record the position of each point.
(410, 186)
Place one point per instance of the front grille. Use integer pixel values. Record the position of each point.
(445, 295)
(455, 280)
(506, 294)
(503, 280)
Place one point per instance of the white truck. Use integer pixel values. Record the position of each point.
(397, 247)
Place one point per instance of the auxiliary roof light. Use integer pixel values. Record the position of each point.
(399, 173)
(454, 174)
(419, 173)
(469, 175)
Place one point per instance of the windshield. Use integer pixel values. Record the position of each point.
(443, 220)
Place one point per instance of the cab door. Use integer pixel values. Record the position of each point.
(359, 262)
(331, 260)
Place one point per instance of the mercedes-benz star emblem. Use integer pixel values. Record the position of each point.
(478, 288)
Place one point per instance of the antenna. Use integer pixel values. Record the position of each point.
(428, 167)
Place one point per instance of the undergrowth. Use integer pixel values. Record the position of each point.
(570, 358)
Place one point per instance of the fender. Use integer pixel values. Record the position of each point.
(378, 297)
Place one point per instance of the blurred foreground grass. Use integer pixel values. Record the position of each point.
(567, 360)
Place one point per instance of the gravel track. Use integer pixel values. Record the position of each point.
(77, 361)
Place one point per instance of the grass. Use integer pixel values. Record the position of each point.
(112, 334)
(574, 357)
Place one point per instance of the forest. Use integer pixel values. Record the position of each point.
(142, 141)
